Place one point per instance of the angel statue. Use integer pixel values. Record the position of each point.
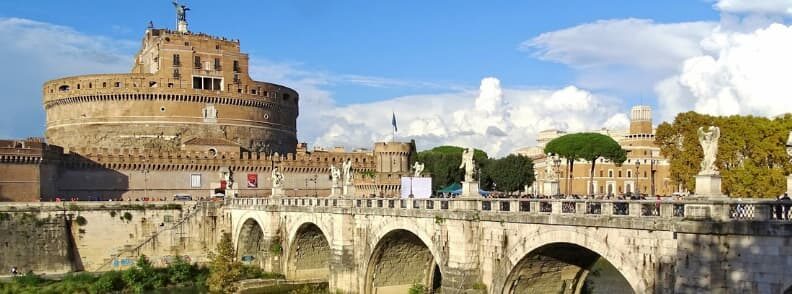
(709, 143)
(335, 174)
(468, 164)
(347, 166)
(277, 178)
(418, 168)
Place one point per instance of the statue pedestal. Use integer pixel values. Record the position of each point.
(348, 191)
(789, 185)
(335, 191)
(550, 188)
(708, 187)
(470, 190)
(181, 26)
(277, 192)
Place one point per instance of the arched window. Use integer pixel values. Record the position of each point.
(629, 174)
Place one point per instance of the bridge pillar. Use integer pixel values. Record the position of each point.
(343, 269)
(462, 270)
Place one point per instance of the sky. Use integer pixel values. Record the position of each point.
(487, 74)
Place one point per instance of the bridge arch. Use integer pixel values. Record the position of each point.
(309, 254)
(250, 245)
(577, 253)
(400, 259)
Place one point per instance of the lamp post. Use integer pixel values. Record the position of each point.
(652, 175)
(557, 162)
(637, 187)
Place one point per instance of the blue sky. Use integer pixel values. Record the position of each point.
(397, 55)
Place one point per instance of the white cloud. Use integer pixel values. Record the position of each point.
(33, 52)
(739, 73)
(623, 54)
(771, 7)
(494, 119)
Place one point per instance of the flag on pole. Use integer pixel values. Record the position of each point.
(393, 122)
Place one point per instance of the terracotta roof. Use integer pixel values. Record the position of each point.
(210, 141)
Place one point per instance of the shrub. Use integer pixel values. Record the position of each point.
(29, 279)
(112, 213)
(180, 271)
(108, 282)
(127, 216)
(417, 289)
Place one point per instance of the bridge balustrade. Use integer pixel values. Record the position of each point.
(728, 209)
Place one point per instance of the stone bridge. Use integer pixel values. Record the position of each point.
(518, 245)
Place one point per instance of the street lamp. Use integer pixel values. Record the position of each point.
(557, 162)
(637, 187)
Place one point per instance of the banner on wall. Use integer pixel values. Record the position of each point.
(420, 187)
(252, 180)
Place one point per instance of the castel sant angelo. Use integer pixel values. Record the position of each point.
(187, 120)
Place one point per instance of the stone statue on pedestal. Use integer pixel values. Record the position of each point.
(277, 178)
(709, 143)
(550, 174)
(468, 164)
(335, 175)
(347, 166)
(181, 11)
(418, 169)
(277, 182)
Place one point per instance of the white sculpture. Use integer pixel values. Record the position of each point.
(789, 144)
(347, 166)
(550, 168)
(277, 178)
(418, 168)
(468, 164)
(335, 175)
(709, 143)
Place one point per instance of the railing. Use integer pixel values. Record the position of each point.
(753, 210)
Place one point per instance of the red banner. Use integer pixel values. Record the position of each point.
(222, 184)
(252, 180)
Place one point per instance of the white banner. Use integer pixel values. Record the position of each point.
(419, 187)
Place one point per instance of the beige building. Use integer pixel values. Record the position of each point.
(645, 171)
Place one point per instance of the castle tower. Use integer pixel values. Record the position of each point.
(641, 120)
(183, 86)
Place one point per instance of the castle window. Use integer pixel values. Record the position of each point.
(197, 83)
(620, 174)
(118, 84)
(610, 173)
(195, 180)
(63, 88)
(152, 84)
(170, 85)
(236, 65)
(176, 73)
(217, 84)
(197, 61)
(217, 47)
(629, 174)
(104, 84)
(162, 109)
(217, 65)
(601, 173)
(90, 85)
(78, 86)
(253, 91)
(186, 43)
(176, 60)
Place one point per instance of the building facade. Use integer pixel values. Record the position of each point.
(188, 120)
(644, 172)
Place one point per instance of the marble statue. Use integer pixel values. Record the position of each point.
(335, 175)
(550, 173)
(789, 144)
(418, 168)
(468, 164)
(709, 143)
(181, 11)
(277, 178)
(347, 167)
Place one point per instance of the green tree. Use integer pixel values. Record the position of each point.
(143, 277)
(180, 271)
(442, 164)
(511, 173)
(751, 156)
(224, 268)
(585, 146)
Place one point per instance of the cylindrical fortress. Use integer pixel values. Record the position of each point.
(182, 86)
